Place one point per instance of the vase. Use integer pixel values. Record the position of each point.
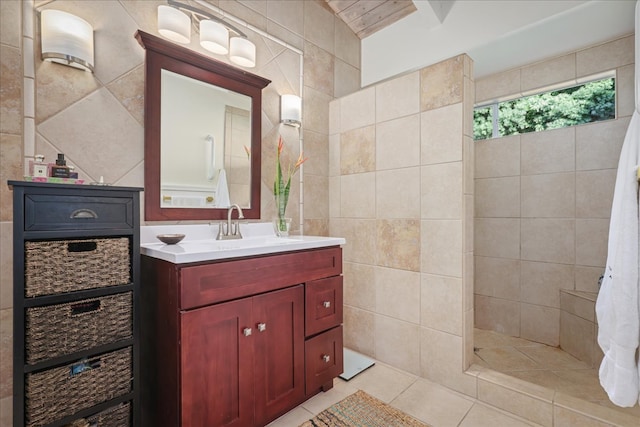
(282, 225)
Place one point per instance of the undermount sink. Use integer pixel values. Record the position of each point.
(259, 239)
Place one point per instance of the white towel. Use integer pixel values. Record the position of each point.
(222, 190)
(618, 303)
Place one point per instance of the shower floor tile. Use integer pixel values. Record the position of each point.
(490, 339)
(540, 364)
(582, 383)
(552, 357)
(507, 359)
(541, 377)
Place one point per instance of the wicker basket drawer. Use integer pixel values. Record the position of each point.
(62, 391)
(57, 266)
(55, 330)
(118, 416)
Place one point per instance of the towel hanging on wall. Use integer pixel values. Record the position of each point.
(617, 306)
(618, 303)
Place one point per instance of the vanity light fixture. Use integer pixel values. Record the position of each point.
(291, 110)
(66, 39)
(175, 25)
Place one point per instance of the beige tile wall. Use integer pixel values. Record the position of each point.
(399, 166)
(97, 119)
(578, 327)
(12, 119)
(90, 104)
(543, 199)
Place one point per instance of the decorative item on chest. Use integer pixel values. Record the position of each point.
(58, 172)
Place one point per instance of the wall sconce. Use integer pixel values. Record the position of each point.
(66, 39)
(175, 25)
(291, 110)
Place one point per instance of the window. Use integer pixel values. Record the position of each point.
(585, 103)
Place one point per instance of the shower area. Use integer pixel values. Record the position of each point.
(542, 211)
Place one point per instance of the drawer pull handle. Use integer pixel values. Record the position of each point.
(326, 358)
(84, 214)
(326, 304)
(85, 307)
(246, 332)
(82, 246)
(262, 327)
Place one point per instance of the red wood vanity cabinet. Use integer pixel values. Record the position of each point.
(239, 342)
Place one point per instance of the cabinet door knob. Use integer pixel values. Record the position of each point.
(246, 332)
(326, 358)
(262, 327)
(326, 304)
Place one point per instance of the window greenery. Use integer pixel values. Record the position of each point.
(586, 103)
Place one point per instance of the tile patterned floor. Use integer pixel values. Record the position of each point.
(439, 406)
(427, 401)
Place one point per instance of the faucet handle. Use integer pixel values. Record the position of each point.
(221, 232)
(236, 230)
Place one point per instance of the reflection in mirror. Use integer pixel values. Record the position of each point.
(203, 162)
(200, 155)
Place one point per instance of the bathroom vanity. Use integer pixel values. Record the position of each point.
(241, 332)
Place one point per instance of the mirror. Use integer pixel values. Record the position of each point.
(203, 161)
(202, 134)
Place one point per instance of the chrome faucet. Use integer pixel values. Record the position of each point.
(232, 230)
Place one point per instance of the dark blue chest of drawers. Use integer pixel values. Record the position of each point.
(76, 273)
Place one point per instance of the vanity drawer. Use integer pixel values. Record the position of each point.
(73, 212)
(212, 283)
(323, 359)
(323, 305)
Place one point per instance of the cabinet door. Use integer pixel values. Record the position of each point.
(217, 366)
(279, 352)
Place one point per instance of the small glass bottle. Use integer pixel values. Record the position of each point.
(60, 169)
(37, 167)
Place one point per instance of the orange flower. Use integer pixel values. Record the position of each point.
(300, 161)
(280, 146)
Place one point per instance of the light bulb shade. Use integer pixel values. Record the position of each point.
(174, 24)
(66, 39)
(242, 52)
(214, 37)
(291, 110)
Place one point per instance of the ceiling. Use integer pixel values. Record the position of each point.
(365, 17)
(497, 34)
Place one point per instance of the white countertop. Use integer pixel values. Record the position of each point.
(200, 242)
